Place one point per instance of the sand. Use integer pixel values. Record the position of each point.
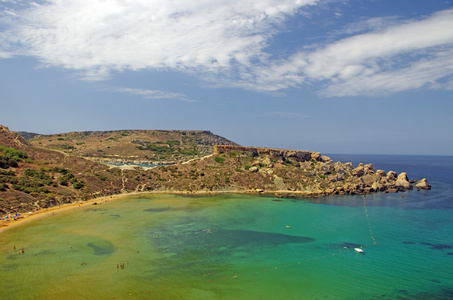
(26, 217)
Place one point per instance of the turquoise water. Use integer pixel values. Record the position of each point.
(237, 247)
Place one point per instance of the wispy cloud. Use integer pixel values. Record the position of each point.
(152, 94)
(403, 56)
(225, 43)
(204, 35)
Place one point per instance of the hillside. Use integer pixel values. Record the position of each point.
(133, 146)
(33, 178)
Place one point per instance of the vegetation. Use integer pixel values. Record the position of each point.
(219, 159)
(11, 157)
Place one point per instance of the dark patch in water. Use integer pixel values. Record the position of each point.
(437, 246)
(45, 252)
(96, 209)
(408, 243)
(101, 250)
(277, 200)
(225, 241)
(450, 253)
(156, 209)
(349, 245)
(246, 237)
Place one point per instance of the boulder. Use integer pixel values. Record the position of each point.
(267, 162)
(368, 180)
(380, 173)
(348, 166)
(391, 175)
(253, 169)
(359, 171)
(315, 155)
(369, 169)
(378, 186)
(326, 159)
(423, 185)
(403, 181)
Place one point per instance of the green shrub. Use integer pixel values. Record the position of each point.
(78, 185)
(173, 143)
(11, 157)
(219, 159)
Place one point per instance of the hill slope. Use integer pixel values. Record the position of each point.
(33, 178)
(133, 146)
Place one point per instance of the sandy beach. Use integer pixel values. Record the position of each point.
(26, 217)
(42, 213)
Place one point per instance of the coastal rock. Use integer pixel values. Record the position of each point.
(391, 175)
(368, 180)
(377, 186)
(369, 169)
(326, 159)
(359, 171)
(324, 168)
(348, 166)
(380, 173)
(423, 185)
(403, 181)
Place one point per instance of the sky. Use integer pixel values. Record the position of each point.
(332, 76)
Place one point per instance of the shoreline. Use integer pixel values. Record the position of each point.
(46, 212)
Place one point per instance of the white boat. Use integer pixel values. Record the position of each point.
(358, 250)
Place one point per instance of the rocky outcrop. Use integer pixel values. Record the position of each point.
(403, 181)
(273, 154)
(423, 185)
(319, 175)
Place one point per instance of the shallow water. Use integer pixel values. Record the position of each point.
(237, 247)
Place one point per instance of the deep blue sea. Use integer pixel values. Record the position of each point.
(235, 246)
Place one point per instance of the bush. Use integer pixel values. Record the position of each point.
(30, 173)
(64, 179)
(78, 185)
(219, 159)
(11, 157)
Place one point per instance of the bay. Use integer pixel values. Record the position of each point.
(235, 246)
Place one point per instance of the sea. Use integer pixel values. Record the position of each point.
(234, 246)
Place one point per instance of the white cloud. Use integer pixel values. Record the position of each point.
(400, 57)
(225, 42)
(204, 35)
(153, 94)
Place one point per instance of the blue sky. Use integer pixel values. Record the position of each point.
(334, 76)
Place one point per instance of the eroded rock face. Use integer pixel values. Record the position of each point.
(369, 169)
(423, 184)
(359, 171)
(318, 175)
(276, 154)
(381, 173)
(392, 175)
(403, 181)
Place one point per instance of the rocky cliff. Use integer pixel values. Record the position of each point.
(276, 154)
